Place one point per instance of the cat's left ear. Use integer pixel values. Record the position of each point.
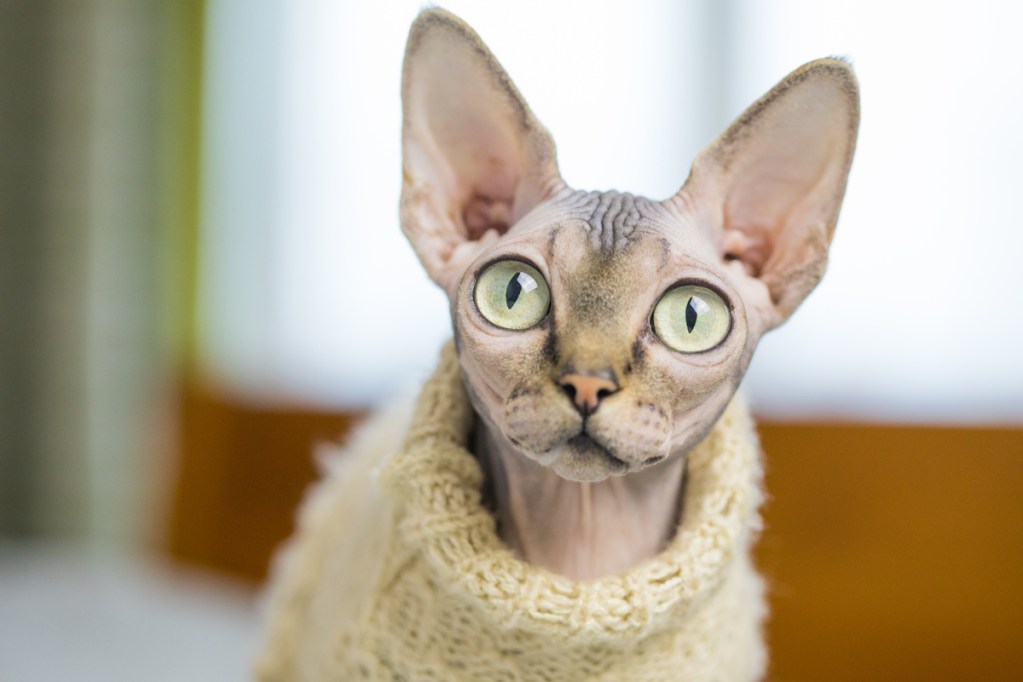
(771, 186)
(475, 159)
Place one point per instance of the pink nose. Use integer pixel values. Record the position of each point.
(587, 390)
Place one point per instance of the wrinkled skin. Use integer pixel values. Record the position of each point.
(586, 417)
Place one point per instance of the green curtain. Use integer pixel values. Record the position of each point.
(99, 159)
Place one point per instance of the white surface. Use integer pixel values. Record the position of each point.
(65, 616)
(310, 290)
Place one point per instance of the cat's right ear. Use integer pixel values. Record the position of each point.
(475, 159)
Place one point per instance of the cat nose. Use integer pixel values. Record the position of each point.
(587, 390)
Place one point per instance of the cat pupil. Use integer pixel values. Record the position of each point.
(514, 289)
(690, 315)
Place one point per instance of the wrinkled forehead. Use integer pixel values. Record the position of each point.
(613, 232)
(608, 222)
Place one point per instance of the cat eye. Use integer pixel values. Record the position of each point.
(512, 295)
(691, 318)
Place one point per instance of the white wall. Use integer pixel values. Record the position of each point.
(310, 292)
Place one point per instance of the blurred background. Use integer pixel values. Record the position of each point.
(202, 276)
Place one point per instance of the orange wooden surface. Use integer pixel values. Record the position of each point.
(892, 553)
(242, 470)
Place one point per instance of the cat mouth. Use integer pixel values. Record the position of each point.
(587, 446)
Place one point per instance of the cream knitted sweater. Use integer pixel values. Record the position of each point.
(397, 572)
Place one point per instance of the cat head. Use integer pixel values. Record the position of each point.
(600, 332)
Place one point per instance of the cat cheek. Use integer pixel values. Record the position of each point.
(537, 423)
(634, 431)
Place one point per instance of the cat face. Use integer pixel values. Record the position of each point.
(598, 383)
(600, 332)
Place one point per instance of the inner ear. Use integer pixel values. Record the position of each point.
(475, 158)
(484, 213)
(461, 135)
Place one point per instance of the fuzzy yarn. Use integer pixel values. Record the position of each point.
(397, 571)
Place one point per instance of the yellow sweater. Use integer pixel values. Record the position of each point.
(397, 571)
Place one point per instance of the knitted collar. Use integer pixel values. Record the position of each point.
(437, 483)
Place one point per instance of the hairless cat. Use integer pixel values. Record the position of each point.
(575, 493)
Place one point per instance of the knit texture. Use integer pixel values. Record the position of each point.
(397, 571)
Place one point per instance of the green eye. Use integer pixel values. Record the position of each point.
(512, 295)
(691, 319)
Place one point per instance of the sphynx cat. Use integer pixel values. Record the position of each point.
(599, 340)
(601, 334)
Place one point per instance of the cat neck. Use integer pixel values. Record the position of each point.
(579, 530)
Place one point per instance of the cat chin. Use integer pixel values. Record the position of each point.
(583, 460)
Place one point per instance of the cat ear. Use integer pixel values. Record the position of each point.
(475, 158)
(771, 186)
